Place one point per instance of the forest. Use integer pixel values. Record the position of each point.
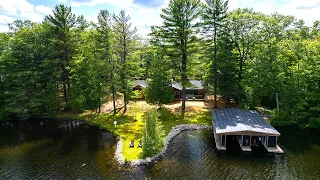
(67, 63)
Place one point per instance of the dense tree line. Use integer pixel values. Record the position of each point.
(242, 55)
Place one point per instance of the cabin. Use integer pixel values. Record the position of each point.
(245, 128)
(194, 91)
(138, 85)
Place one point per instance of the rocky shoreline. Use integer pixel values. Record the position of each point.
(152, 160)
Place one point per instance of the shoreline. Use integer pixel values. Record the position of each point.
(176, 130)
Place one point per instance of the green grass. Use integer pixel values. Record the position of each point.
(131, 124)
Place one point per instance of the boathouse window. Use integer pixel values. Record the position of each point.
(272, 141)
(223, 140)
(246, 140)
(263, 141)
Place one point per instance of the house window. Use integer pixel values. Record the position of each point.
(177, 94)
(195, 92)
(189, 91)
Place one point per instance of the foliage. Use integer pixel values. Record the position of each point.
(64, 26)
(136, 95)
(159, 90)
(245, 55)
(124, 42)
(177, 36)
(29, 76)
(153, 134)
(215, 13)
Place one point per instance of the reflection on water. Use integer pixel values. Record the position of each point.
(191, 155)
(73, 150)
(55, 149)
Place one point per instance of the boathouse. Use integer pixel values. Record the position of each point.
(246, 128)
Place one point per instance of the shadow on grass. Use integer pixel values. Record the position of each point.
(170, 119)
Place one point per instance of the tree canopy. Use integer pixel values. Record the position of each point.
(242, 56)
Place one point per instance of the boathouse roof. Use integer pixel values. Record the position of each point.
(232, 120)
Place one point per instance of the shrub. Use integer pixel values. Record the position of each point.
(153, 134)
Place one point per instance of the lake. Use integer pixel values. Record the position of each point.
(53, 149)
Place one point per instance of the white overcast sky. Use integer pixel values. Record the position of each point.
(145, 13)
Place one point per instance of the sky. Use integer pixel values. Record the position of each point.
(144, 13)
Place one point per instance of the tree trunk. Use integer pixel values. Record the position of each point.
(99, 110)
(184, 79)
(215, 68)
(114, 100)
(124, 72)
(240, 78)
(65, 92)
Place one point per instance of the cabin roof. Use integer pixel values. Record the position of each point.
(141, 83)
(176, 85)
(232, 120)
(195, 84)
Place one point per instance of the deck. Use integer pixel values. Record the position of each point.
(276, 149)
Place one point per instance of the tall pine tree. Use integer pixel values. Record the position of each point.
(177, 35)
(125, 37)
(214, 16)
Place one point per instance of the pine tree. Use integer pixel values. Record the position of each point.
(177, 35)
(105, 39)
(124, 41)
(214, 16)
(64, 24)
(159, 90)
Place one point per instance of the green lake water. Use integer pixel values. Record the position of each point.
(51, 149)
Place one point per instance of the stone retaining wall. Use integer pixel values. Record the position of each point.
(173, 133)
(118, 154)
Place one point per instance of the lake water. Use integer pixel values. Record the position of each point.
(50, 149)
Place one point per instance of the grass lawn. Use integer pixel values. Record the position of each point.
(131, 124)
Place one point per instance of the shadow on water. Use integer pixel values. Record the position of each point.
(296, 140)
(74, 150)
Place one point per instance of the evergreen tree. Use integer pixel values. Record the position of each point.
(30, 87)
(153, 134)
(104, 49)
(215, 13)
(159, 90)
(64, 24)
(177, 35)
(125, 37)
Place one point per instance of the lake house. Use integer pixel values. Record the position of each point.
(244, 129)
(194, 90)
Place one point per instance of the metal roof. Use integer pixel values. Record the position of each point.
(176, 85)
(141, 83)
(240, 120)
(195, 84)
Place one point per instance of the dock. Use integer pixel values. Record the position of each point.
(244, 127)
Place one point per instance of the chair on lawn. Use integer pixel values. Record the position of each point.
(140, 144)
(131, 144)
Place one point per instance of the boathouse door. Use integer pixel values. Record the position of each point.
(232, 145)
